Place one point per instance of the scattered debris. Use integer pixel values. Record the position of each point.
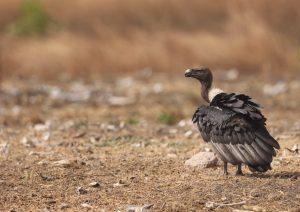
(64, 163)
(43, 127)
(158, 88)
(28, 143)
(188, 133)
(296, 148)
(230, 75)
(79, 135)
(207, 149)
(173, 131)
(212, 205)
(272, 90)
(182, 123)
(137, 208)
(202, 160)
(111, 127)
(4, 150)
(46, 178)
(64, 206)
(120, 101)
(94, 184)
(85, 205)
(81, 190)
(172, 155)
(120, 183)
(255, 208)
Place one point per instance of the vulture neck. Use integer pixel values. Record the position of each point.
(208, 93)
(205, 88)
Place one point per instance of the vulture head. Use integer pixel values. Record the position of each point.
(205, 77)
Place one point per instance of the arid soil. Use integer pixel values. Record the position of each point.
(121, 144)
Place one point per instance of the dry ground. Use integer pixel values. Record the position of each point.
(133, 135)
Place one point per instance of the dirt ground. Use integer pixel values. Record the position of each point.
(114, 145)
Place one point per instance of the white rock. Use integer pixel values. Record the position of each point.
(272, 90)
(120, 100)
(188, 133)
(296, 148)
(182, 123)
(4, 149)
(173, 131)
(230, 75)
(139, 208)
(85, 205)
(202, 160)
(94, 184)
(158, 88)
(63, 163)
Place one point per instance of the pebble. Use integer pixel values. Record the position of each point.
(272, 90)
(188, 133)
(64, 163)
(139, 208)
(94, 184)
(64, 206)
(81, 190)
(85, 205)
(202, 160)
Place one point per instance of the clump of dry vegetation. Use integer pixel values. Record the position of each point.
(97, 37)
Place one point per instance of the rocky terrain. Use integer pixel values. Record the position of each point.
(121, 145)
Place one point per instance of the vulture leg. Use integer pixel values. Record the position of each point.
(239, 170)
(225, 168)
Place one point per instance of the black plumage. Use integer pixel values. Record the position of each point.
(235, 127)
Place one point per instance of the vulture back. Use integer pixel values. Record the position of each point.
(236, 129)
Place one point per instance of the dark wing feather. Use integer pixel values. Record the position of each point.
(235, 137)
(238, 103)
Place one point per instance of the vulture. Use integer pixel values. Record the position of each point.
(234, 126)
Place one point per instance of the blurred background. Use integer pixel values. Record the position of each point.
(93, 91)
(88, 38)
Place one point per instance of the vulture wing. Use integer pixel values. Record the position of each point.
(236, 137)
(238, 103)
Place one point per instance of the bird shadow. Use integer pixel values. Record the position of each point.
(280, 175)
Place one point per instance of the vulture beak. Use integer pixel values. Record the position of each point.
(188, 73)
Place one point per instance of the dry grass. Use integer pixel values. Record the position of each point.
(92, 37)
(50, 146)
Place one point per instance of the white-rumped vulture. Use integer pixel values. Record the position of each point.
(234, 126)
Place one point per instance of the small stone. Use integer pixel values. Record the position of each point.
(272, 90)
(210, 205)
(64, 206)
(111, 127)
(81, 190)
(138, 208)
(202, 160)
(254, 208)
(85, 205)
(63, 163)
(296, 148)
(230, 75)
(27, 142)
(120, 183)
(182, 123)
(120, 101)
(206, 149)
(4, 149)
(275, 163)
(79, 135)
(173, 131)
(172, 155)
(188, 133)
(94, 184)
